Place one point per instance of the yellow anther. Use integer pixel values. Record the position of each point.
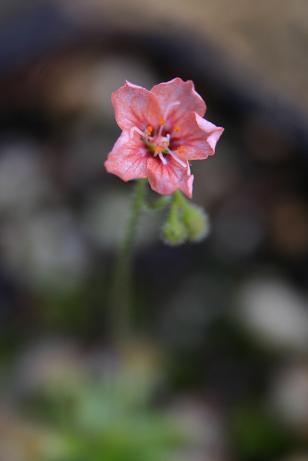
(180, 150)
(158, 150)
(162, 121)
(176, 128)
(149, 130)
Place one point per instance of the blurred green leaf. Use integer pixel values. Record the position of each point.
(257, 436)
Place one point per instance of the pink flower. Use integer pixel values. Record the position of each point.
(162, 131)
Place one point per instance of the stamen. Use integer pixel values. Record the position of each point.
(176, 128)
(163, 160)
(181, 150)
(149, 130)
(158, 149)
(134, 130)
(162, 122)
(177, 159)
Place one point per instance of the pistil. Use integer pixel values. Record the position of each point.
(158, 145)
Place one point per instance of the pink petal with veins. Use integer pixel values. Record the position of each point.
(177, 97)
(135, 107)
(197, 136)
(213, 132)
(128, 158)
(166, 179)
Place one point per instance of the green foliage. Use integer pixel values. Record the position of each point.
(256, 435)
(109, 419)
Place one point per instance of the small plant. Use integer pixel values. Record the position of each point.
(163, 130)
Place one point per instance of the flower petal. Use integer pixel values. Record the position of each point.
(135, 106)
(197, 138)
(166, 179)
(128, 158)
(212, 131)
(177, 97)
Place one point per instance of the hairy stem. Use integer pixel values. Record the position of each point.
(122, 294)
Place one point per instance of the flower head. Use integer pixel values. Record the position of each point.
(162, 131)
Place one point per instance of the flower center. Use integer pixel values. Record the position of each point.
(158, 143)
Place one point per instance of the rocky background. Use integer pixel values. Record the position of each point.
(218, 370)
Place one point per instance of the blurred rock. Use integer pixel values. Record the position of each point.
(46, 250)
(113, 73)
(289, 396)
(84, 83)
(203, 429)
(24, 184)
(270, 46)
(51, 365)
(274, 312)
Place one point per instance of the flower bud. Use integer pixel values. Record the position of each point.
(174, 230)
(197, 223)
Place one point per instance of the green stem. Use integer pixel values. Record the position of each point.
(180, 199)
(158, 204)
(122, 296)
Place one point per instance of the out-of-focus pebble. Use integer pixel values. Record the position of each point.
(23, 183)
(289, 396)
(274, 312)
(46, 250)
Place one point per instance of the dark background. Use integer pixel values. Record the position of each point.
(218, 368)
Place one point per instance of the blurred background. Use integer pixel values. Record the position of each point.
(218, 370)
